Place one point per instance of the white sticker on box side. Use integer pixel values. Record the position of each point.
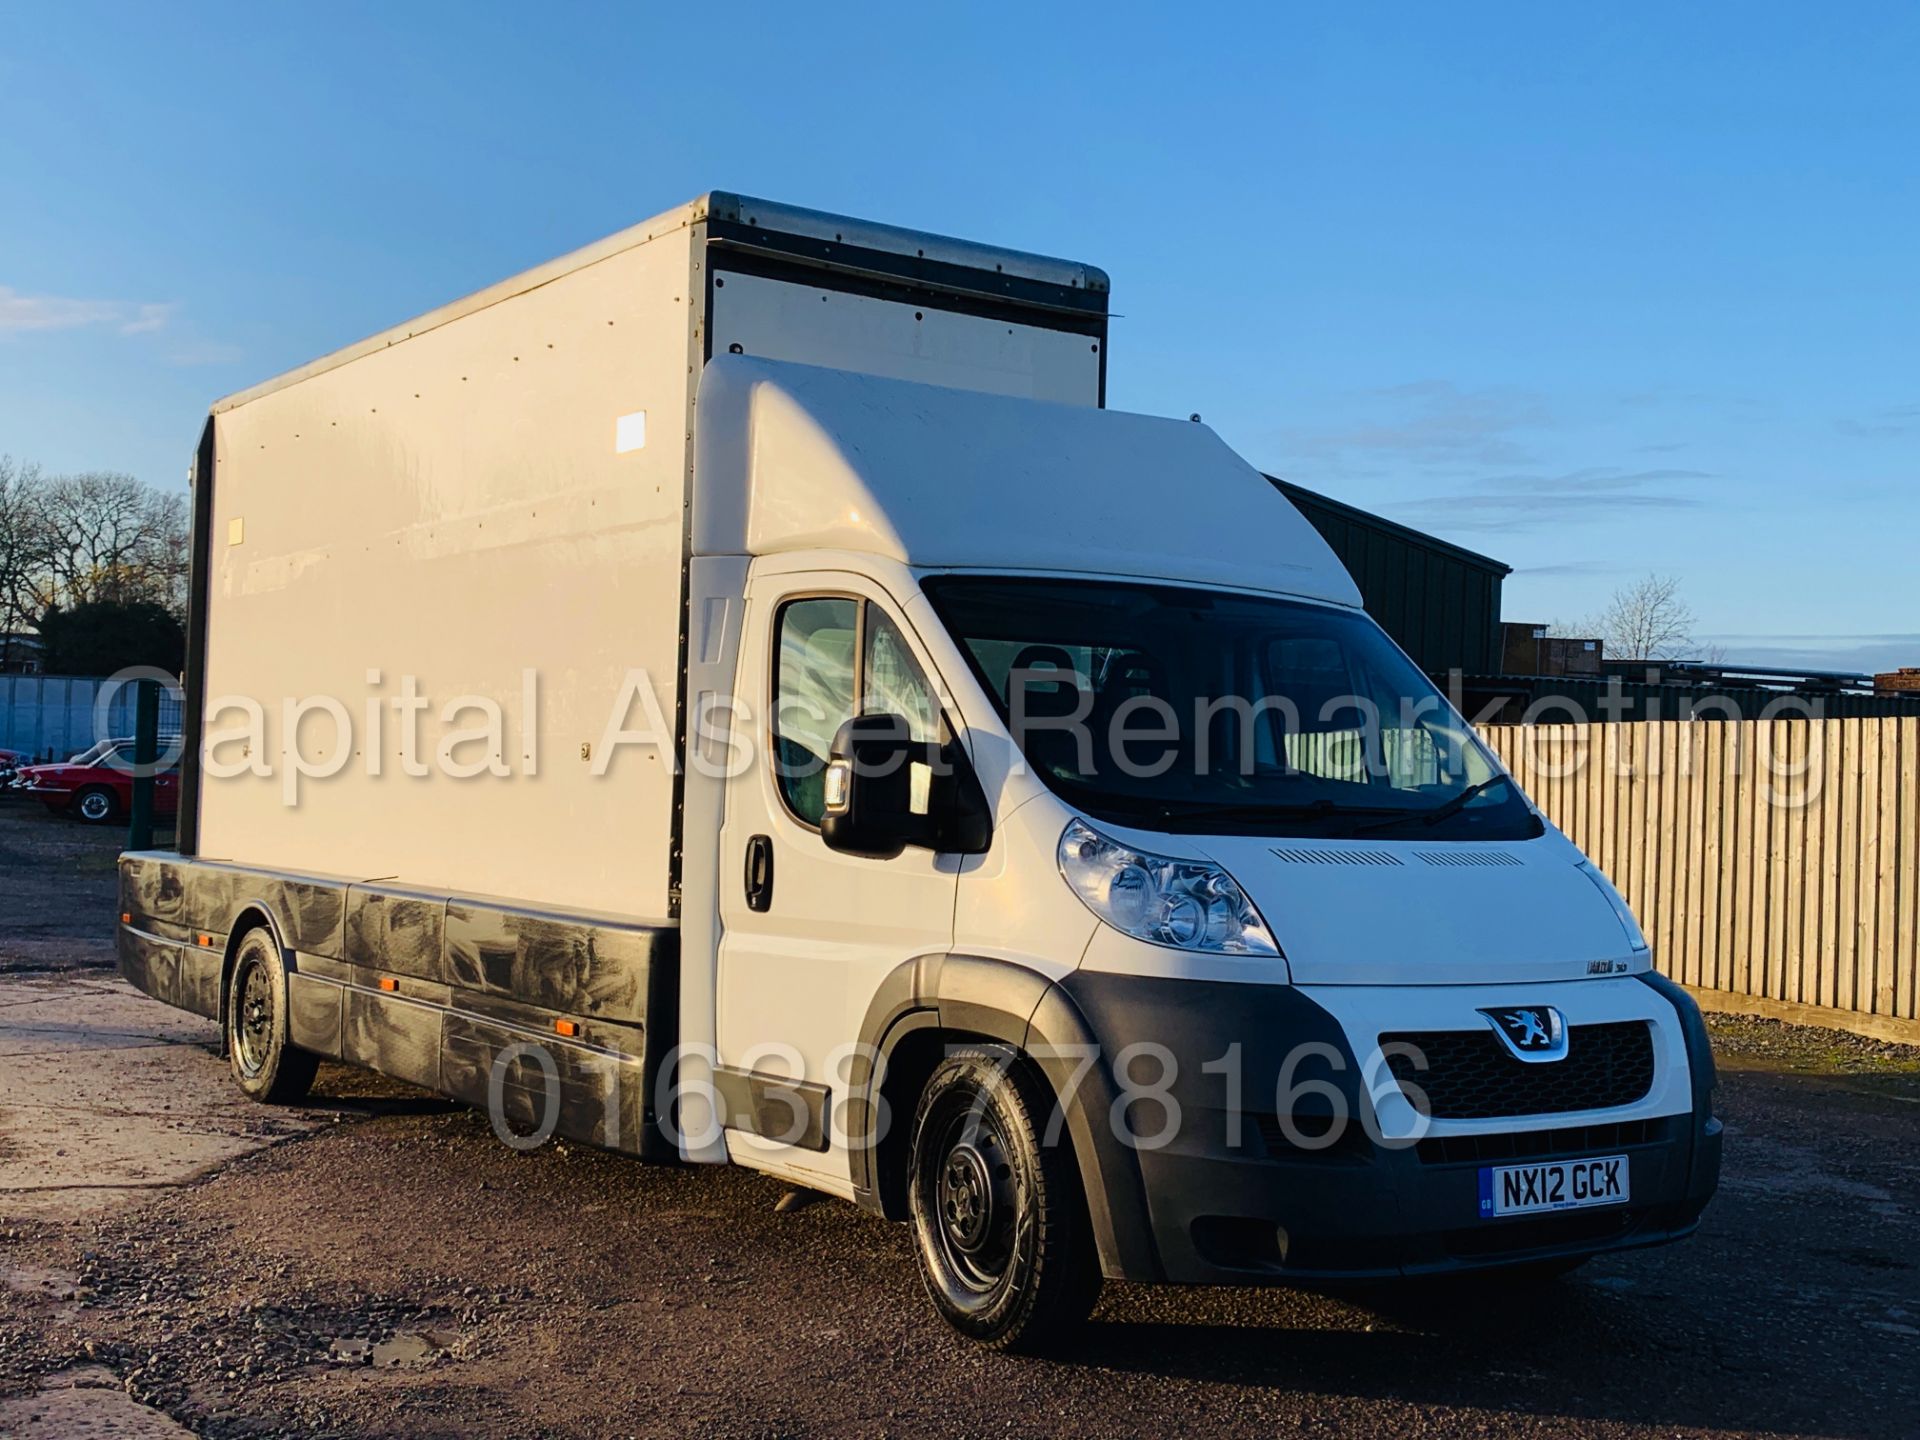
(630, 432)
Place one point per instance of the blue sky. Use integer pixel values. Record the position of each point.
(1596, 290)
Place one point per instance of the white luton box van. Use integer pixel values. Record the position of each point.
(734, 694)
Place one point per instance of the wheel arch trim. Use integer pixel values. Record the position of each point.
(249, 915)
(965, 997)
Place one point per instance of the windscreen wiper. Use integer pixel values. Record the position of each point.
(1439, 812)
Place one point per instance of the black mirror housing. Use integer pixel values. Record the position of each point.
(870, 783)
(869, 789)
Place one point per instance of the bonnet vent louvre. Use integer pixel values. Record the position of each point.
(1337, 857)
(1463, 858)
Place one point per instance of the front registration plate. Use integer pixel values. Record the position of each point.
(1555, 1185)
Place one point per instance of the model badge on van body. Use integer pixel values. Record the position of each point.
(1531, 1032)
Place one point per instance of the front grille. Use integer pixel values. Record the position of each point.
(1541, 1144)
(1471, 1075)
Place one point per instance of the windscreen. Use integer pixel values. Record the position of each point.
(1182, 709)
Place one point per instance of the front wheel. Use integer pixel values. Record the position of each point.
(265, 1062)
(999, 1220)
(96, 805)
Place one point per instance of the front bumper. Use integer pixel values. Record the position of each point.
(1241, 1203)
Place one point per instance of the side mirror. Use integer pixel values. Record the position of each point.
(885, 791)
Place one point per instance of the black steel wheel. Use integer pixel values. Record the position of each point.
(999, 1219)
(264, 1060)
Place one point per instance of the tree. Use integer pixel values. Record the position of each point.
(23, 547)
(96, 538)
(1647, 620)
(111, 537)
(100, 637)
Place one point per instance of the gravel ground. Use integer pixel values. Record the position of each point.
(56, 885)
(387, 1268)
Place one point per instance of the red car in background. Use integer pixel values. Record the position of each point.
(94, 785)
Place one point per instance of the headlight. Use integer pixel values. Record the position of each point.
(1187, 904)
(1620, 908)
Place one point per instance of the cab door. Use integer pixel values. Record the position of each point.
(809, 933)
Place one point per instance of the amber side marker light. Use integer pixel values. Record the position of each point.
(565, 1027)
(204, 938)
(388, 983)
(126, 917)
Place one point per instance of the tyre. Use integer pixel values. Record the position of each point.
(97, 805)
(265, 1062)
(1000, 1223)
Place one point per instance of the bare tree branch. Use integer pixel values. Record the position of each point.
(23, 549)
(1647, 621)
(69, 539)
(112, 537)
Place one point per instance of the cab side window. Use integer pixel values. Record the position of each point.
(894, 684)
(814, 688)
(835, 657)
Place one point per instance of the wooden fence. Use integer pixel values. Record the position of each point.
(1774, 864)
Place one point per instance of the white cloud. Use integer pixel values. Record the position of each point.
(50, 312)
(21, 313)
(1431, 422)
(148, 318)
(1894, 420)
(1860, 654)
(1530, 502)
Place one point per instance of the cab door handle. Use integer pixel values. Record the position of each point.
(760, 872)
